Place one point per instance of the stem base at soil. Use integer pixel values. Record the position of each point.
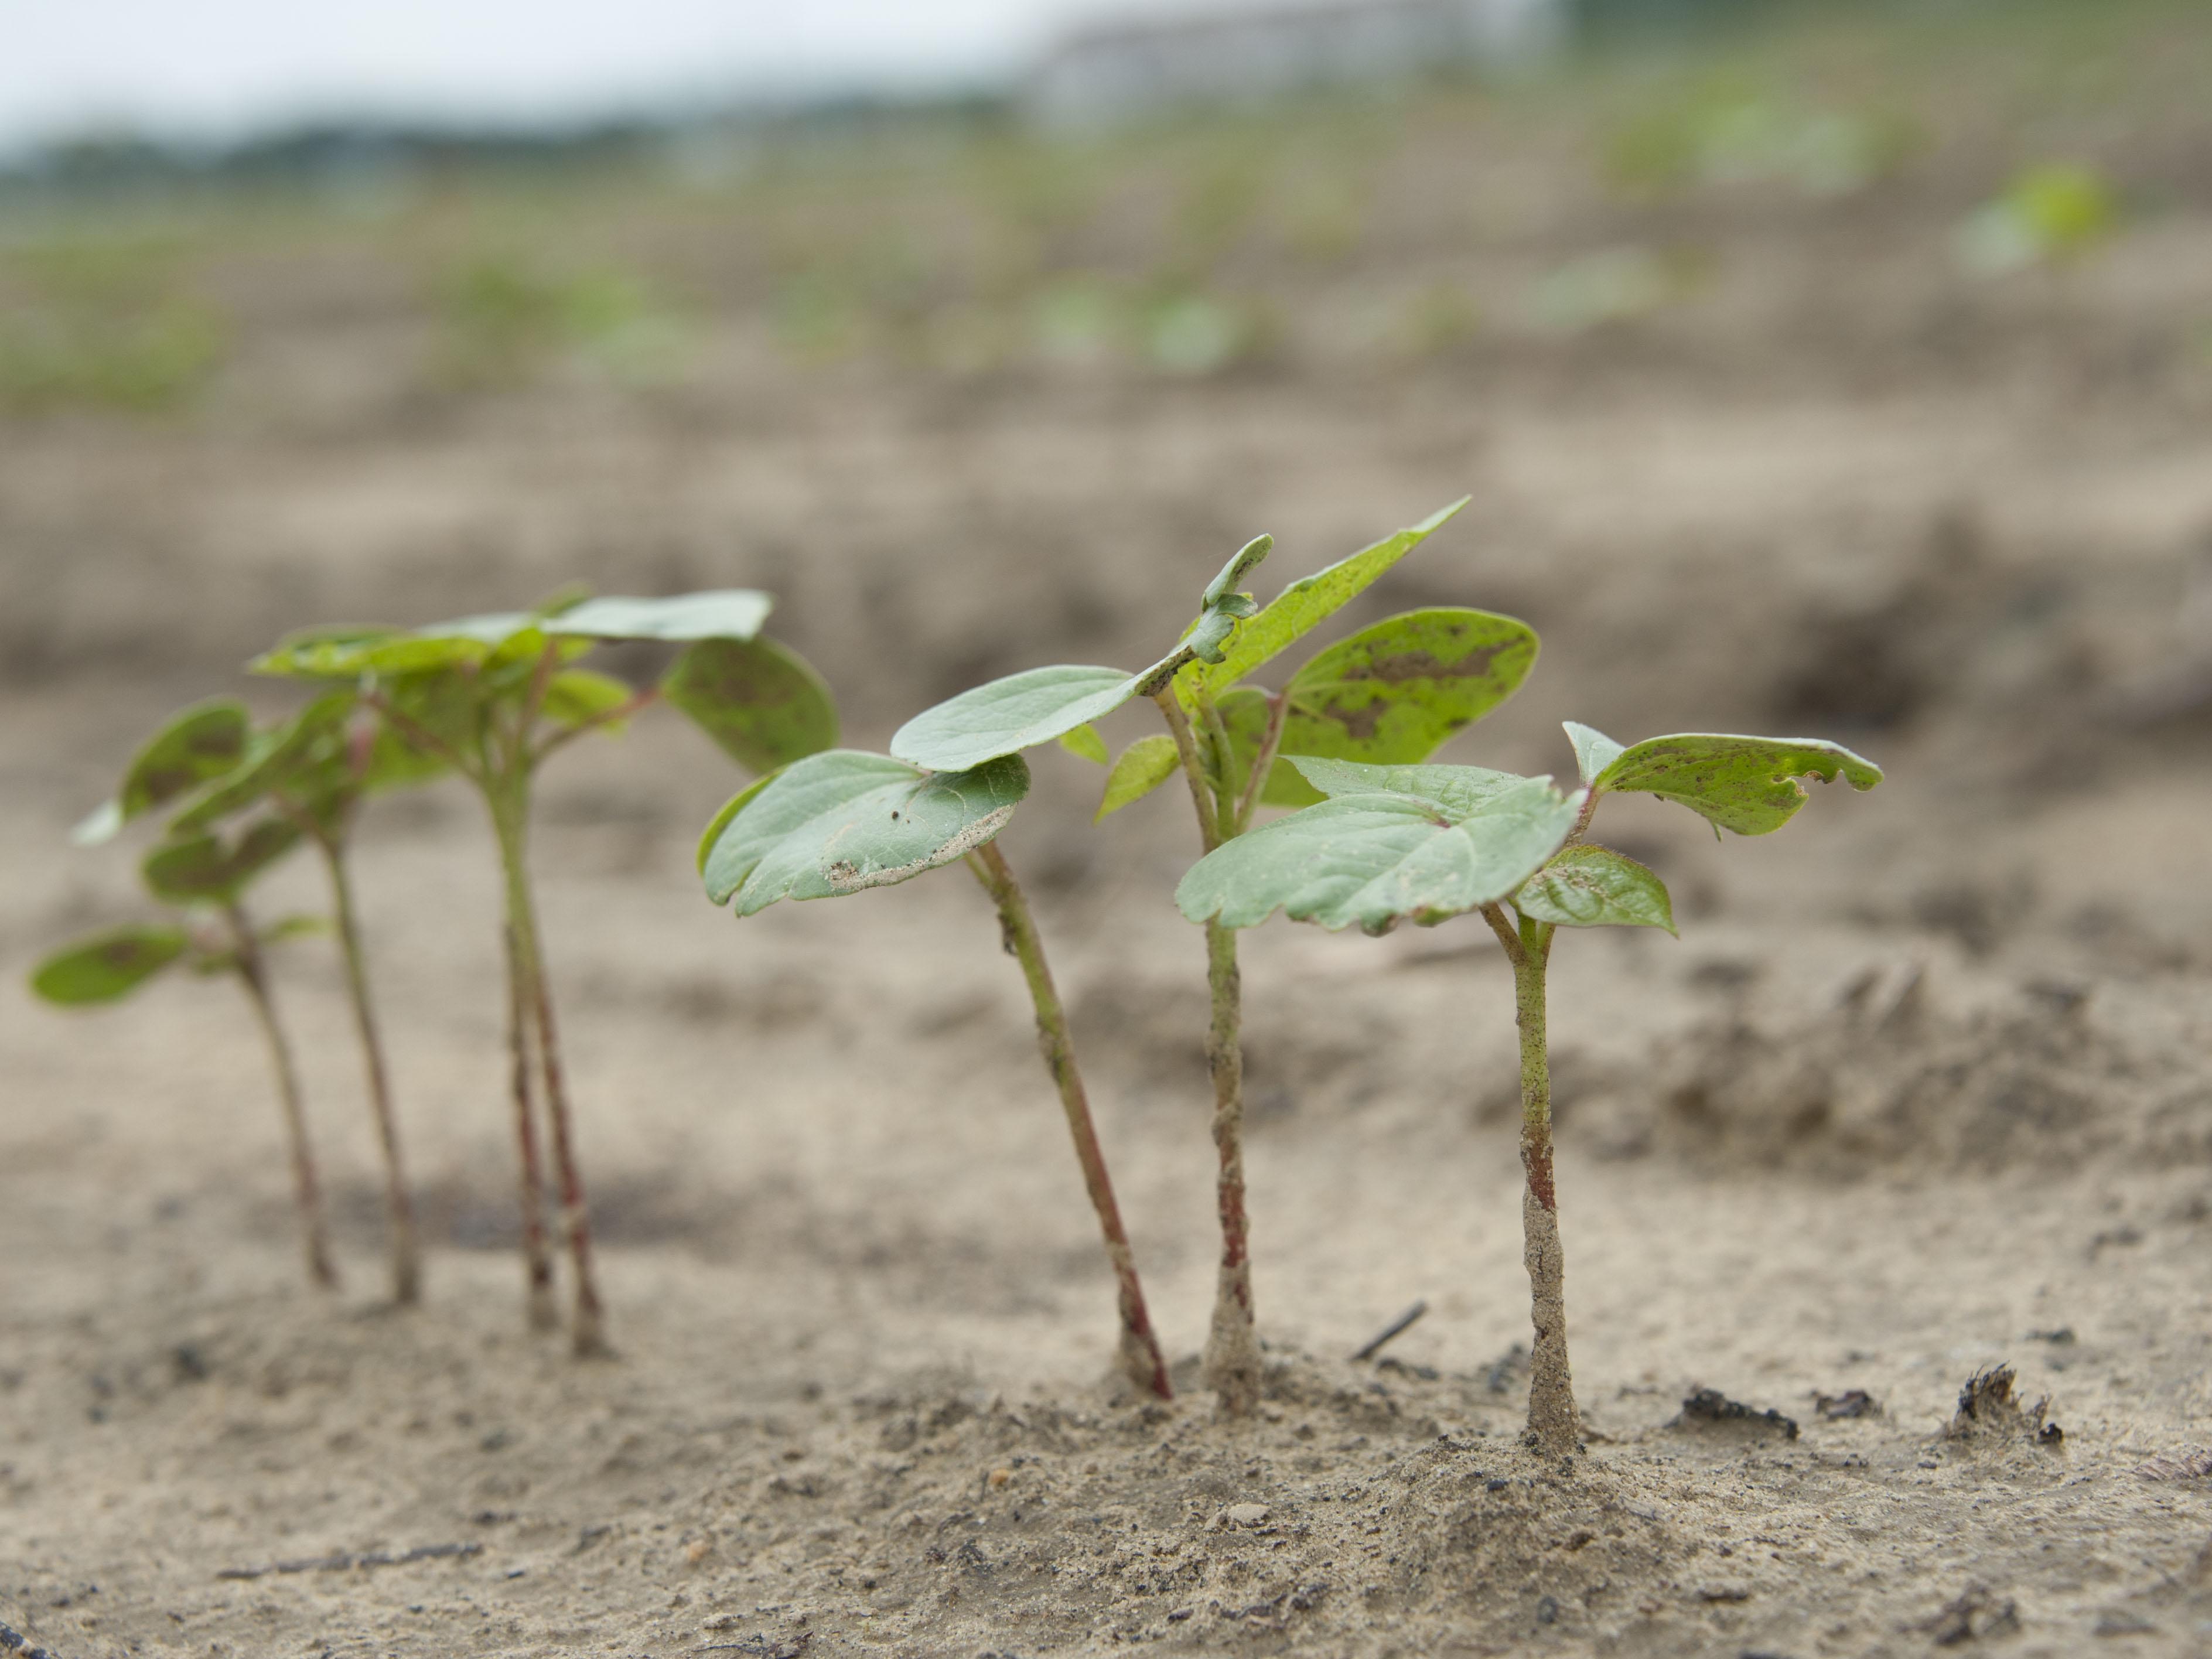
(1231, 1366)
(1554, 1424)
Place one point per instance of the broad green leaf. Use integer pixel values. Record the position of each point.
(1456, 791)
(108, 965)
(1749, 785)
(1306, 603)
(1085, 744)
(1596, 887)
(578, 696)
(1011, 714)
(1378, 858)
(208, 870)
(730, 808)
(844, 821)
(1141, 768)
(274, 759)
(761, 701)
(203, 742)
(1593, 750)
(726, 613)
(351, 654)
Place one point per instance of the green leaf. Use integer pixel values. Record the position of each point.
(1309, 602)
(1011, 714)
(395, 762)
(1456, 791)
(208, 870)
(730, 808)
(844, 821)
(1591, 886)
(202, 742)
(278, 758)
(351, 653)
(292, 927)
(761, 701)
(726, 613)
(1224, 587)
(1141, 768)
(1593, 750)
(1749, 785)
(1378, 857)
(578, 696)
(1085, 744)
(107, 965)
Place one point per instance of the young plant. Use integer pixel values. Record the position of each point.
(1390, 843)
(207, 876)
(844, 821)
(1391, 693)
(493, 697)
(314, 772)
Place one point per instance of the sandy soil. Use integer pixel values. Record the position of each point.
(1923, 1089)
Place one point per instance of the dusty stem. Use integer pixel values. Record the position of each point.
(587, 1325)
(1554, 1426)
(536, 1252)
(254, 974)
(1139, 1348)
(399, 1208)
(1231, 1366)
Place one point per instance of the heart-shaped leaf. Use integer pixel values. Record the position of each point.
(1305, 605)
(1589, 886)
(107, 965)
(844, 821)
(202, 742)
(723, 613)
(761, 701)
(1141, 768)
(1749, 785)
(1380, 855)
(208, 870)
(1008, 715)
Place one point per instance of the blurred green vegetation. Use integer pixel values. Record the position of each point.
(1389, 227)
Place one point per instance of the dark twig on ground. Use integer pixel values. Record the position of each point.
(1391, 1332)
(354, 1563)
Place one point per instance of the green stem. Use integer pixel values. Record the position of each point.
(254, 974)
(1278, 708)
(536, 1252)
(1139, 1348)
(587, 1326)
(1554, 1426)
(1231, 1366)
(399, 1209)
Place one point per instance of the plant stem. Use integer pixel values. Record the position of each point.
(587, 1327)
(1231, 1367)
(399, 1208)
(1140, 1349)
(1554, 1426)
(1278, 708)
(537, 1254)
(254, 974)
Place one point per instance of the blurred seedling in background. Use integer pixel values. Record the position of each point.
(845, 821)
(204, 877)
(103, 323)
(1391, 843)
(1391, 692)
(1725, 132)
(2050, 214)
(314, 772)
(506, 323)
(493, 697)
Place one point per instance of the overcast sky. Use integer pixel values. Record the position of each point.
(215, 68)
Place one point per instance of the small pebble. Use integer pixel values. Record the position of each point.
(1248, 1514)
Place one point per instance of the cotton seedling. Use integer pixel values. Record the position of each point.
(1390, 843)
(206, 876)
(1391, 693)
(844, 821)
(314, 771)
(493, 697)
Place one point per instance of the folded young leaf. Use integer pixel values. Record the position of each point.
(1749, 785)
(843, 821)
(726, 613)
(1378, 857)
(1593, 750)
(1589, 886)
(1304, 606)
(107, 965)
(1008, 715)
(761, 701)
(208, 870)
(1141, 768)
